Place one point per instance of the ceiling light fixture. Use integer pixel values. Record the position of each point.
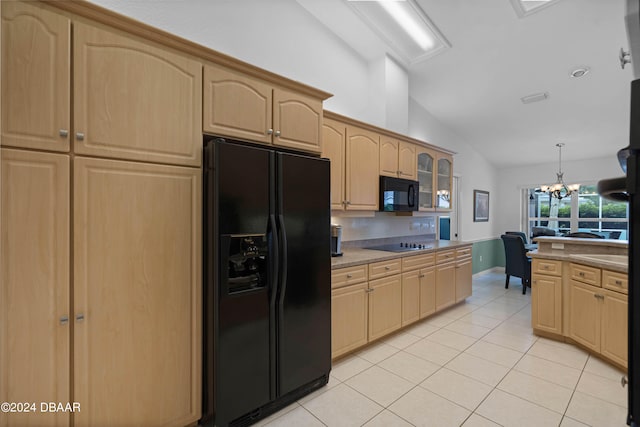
(559, 190)
(536, 97)
(526, 7)
(408, 24)
(579, 72)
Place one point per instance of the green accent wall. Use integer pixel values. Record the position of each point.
(492, 253)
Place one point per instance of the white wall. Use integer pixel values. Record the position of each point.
(512, 180)
(282, 37)
(473, 169)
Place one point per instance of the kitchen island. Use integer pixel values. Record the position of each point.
(579, 294)
(375, 293)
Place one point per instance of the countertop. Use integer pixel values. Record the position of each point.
(358, 256)
(617, 263)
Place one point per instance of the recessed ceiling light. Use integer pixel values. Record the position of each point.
(408, 23)
(527, 7)
(579, 71)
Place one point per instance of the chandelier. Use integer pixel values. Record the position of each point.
(559, 190)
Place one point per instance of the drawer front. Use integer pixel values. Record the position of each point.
(445, 256)
(546, 266)
(585, 274)
(418, 261)
(463, 252)
(348, 276)
(385, 268)
(615, 281)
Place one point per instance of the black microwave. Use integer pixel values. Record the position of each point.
(398, 195)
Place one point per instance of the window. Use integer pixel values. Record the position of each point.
(582, 211)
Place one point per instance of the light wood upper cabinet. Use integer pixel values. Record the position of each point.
(135, 101)
(389, 156)
(362, 179)
(35, 77)
(407, 161)
(426, 161)
(297, 121)
(137, 293)
(334, 135)
(34, 273)
(444, 180)
(397, 158)
(250, 109)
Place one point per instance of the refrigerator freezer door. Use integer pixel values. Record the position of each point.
(304, 301)
(244, 336)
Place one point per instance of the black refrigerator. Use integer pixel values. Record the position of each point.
(266, 280)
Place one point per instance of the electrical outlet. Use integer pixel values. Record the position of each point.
(480, 258)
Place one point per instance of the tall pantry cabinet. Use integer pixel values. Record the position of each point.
(100, 223)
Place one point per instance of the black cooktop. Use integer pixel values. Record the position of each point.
(402, 247)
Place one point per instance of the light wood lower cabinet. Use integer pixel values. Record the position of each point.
(599, 320)
(137, 263)
(385, 306)
(464, 275)
(427, 291)
(445, 285)
(349, 318)
(410, 297)
(546, 303)
(34, 291)
(584, 315)
(614, 339)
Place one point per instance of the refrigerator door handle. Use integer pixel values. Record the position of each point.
(275, 263)
(283, 261)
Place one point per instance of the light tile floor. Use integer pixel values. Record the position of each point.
(476, 364)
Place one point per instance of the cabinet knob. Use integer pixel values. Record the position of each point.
(598, 296)
(63, 133)
(277, 133)
(624, 381)
(619, 282)
(581, 274)
(80, 136)
(369, 291)
(421, 276)
(386, 267)
(534, 281)
(349, 276)
(80, 317)
(64, 320)
(269, 131)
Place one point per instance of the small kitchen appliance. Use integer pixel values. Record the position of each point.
(336, 240)
(398, 195)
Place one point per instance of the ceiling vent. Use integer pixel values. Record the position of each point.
(536, 97)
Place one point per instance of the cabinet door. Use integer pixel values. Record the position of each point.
(137, 293)
(445, 285)
(385, 306)
(410, 297)
(297, 121)
(427, 291)
(444, 182)
(333, 141)
(389, 157)
(546, 303)
(236, 105)
(35, 77)
(362, 181)
(614, 337)
(584, 315)
(135, 101)
(464, 276)
(425, 162)
(407, 160)
(349, 314)
(34, 272)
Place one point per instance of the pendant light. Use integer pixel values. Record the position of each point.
(559, 190)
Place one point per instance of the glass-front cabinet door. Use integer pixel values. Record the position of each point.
(444, 178)
(426, 161)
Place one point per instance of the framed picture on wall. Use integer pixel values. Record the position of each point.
(480, 206)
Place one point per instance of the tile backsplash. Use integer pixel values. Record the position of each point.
(384, 225)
